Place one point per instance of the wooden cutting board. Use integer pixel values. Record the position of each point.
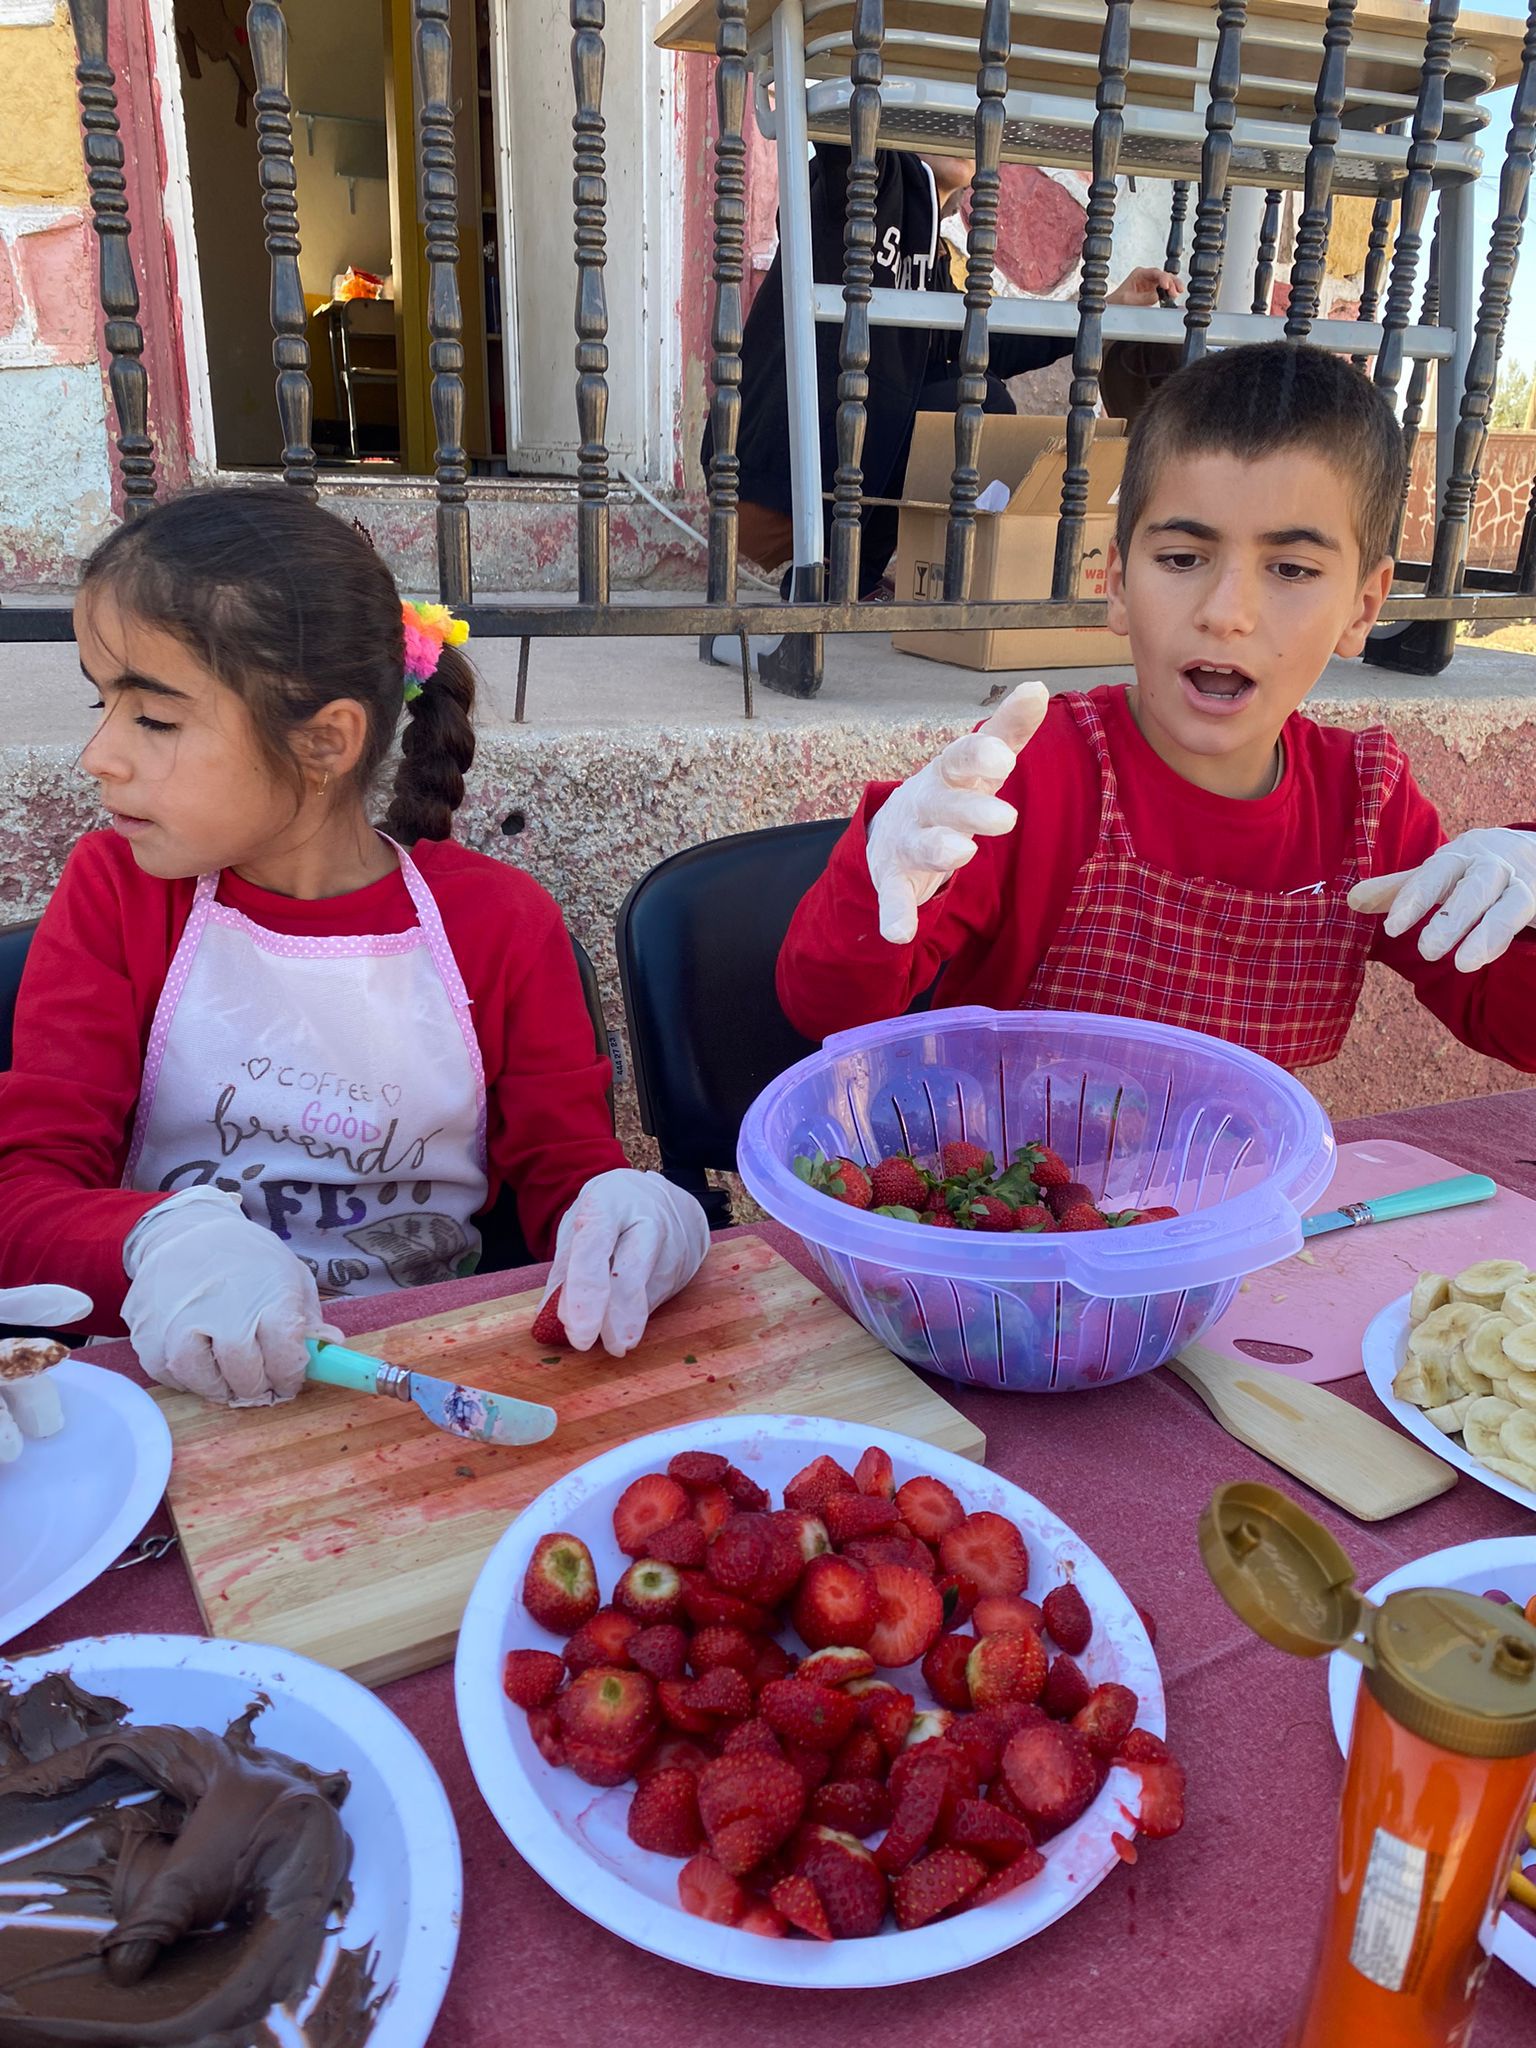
(346, 1527)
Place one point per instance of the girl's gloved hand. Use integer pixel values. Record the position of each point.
(627, 1243)
(218, 1306)
(1485, 884)
(927, 830)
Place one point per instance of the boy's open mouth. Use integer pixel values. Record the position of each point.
(1218, 684)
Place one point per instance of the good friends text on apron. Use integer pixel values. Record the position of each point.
(333, 1084)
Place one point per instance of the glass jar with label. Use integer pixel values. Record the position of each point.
(1439, 1779)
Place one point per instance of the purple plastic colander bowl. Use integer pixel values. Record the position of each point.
(1146, 1114)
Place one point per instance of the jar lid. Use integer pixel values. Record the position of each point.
(1279, 1570)
(1451, 1667)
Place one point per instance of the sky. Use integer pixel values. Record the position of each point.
(1520, 334)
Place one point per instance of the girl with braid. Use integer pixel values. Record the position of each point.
(266, 1052)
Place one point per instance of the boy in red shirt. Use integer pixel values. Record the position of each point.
(1193, 848)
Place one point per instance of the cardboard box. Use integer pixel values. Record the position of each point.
(1015, 547)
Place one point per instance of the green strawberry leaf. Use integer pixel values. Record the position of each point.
(808, 1169)
(900, 1212)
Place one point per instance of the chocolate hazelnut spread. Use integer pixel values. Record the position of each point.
(22, 1357)
(185, 1883)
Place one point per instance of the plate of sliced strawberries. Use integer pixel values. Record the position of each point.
(796, 1702)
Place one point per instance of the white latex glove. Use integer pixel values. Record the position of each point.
(1485, 883)
(219, 1306)
(627, 1243)
(927, 829)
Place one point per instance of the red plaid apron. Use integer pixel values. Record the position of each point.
(1280, 974)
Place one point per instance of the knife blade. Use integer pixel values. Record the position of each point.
(1436, 1194)
(468, 1412)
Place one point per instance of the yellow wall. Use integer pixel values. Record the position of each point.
(40, 155)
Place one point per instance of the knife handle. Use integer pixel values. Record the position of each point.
(1440, 1194)
(333, 1365)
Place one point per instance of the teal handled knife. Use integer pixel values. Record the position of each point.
(463, 1411)
(1439, 1194)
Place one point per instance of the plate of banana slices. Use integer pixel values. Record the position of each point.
(1454, 1362)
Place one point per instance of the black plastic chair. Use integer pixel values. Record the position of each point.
(698, 938)
(503, 1245)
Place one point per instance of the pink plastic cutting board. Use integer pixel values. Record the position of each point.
(1307, 1316)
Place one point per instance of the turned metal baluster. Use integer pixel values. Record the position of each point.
(1311, 254)
(1269, 241)
(865, 72)
(445, 319)
(1418, 376)
(590, 192)
(1492, 312)
(1098, 237)
(730, 210)
(1215, 163)
(118, 288)
(981, 243)
(1178, 213)
(1423, 148)
(1375, 274)
(268, 35)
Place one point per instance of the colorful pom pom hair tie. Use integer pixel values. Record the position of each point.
(429, 628)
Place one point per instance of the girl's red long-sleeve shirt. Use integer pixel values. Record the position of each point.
(987, 931)
(94, 975)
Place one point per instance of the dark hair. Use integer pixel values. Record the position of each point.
(292, 608)
(1256, 401)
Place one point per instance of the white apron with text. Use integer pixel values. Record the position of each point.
(333, 1084)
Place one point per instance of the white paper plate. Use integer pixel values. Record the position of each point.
(406, 1874)
(1504, 1563)
(71, 1504)
(1384, 1347)
(574, 1835)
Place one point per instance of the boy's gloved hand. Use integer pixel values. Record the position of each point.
(218, 1305)
(927, 829)
(1485, 883)
(627, 1243)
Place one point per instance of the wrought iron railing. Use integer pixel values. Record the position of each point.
(1409, 178)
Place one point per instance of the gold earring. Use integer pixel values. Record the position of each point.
(324, 783)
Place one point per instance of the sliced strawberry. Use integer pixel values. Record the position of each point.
(772, 1661)
(739, 1555)
(604, 1763)
(989, 1551)
(800, 1710)
(959, 1597)
(544, 1727)
(1049, 1770)
(560, 1584)
(607, 1706)
(751, 1738)
(810, 1489)
(810, 1533)
(861, 1755)
(918, 1801)
(604, 1639)
(677, 1752)
(837, 1604)
(986, 1831)
(911, 1616)
(712, 1509)
(645, 1506)
(698, 1469)
(848, 1881)
(1004, 1668)
(745, 1492)
(750, 1806)
(1106, 1717)
(1147, 1622)
(936, 1885)
(944, 1670)
(849, 1516)
(814, 1765)
(782, 1561)
(676, 1710)
(721, 1691)
(650, 1592)
(873, 1474)
(664, 1813)
(722, 1644)
(984, 1736)
(708, 1606)
(1141, 1746)
(1066, 1689)
(1162, 1798)
(1001, 1614)
(1027, 1864)
(928, 1507)
(531, 1678)
(892, 1548)
(858, 1806)
(890, 1715)
(661, 1652)
(708, 1891)
(548, 1332)
(682, 1543)
(837, 1665)
(1068, 1618)
(795, 1897)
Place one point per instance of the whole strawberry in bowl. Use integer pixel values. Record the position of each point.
(854, 1753)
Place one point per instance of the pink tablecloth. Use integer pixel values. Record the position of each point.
(1207, 1940)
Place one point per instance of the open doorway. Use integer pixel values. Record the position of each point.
(362, 262)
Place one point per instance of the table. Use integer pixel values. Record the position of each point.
(1207, 1940)
(800, 51)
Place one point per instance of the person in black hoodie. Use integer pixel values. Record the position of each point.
(911, 369)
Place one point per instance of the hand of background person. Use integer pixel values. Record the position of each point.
(927, 829)
(1142, 287)
(1485, 884)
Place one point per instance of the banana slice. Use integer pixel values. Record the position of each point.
(1520, 1303)
(1424, 1382)
(1443, 1332)
(1449, 1418)
(1508, 1468)
(1520, 1347)
(1517, 1437)
(1519, 1387)
(1488, 1281)
(1430, 1291)
(1483, 1424)
(1464, 1379)
(1484, 1349)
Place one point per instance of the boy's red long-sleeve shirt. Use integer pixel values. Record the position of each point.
(989, 929)
(94, 975)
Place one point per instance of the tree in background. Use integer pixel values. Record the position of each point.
(1512, 401)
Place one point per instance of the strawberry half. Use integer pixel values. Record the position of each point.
(873, 1474)
(910, 1617)
(800, 1710)
(1106, 1717)
(795, 1897)
(1066, 1689)
(650, 1591)
(1068, 1618)
(664, 1813)
(1049, 1771)
(560, 1584)
(989, 1551)
(849, 1883)
(837, 1604)
(928, 1507)
(849, 1516)
(936, 1885)
(944, 1670)
(548, 1330)
(809, 1491)
(645, 1507)
(1008, 1667)
(531, 1678)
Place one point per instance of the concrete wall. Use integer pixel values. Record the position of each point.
(55, 481)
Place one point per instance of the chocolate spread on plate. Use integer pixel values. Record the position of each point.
(21, 1358)
(166, 1885)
